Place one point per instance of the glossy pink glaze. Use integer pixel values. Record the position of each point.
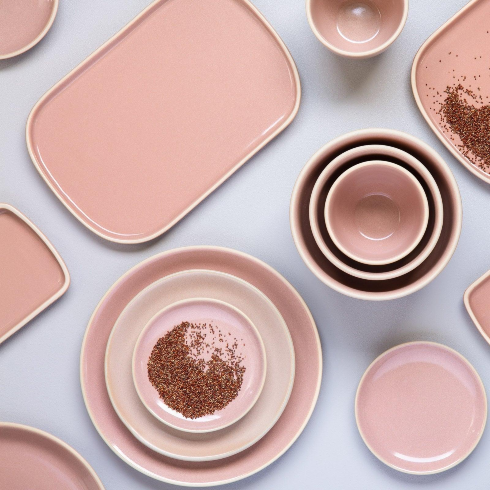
(340, 280)
(421, 408)
(33, 275)
(229, 322)
(359, 28)
(23, 23)
(449, 57)
(183, 96)
(277, 440)
(376, 212)
(279, 375)
(35, 460)
(476, 300)
(317, 215)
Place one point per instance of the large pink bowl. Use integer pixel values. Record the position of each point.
(362, 288)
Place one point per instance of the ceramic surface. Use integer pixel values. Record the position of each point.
(338, 279)
(318, 199)
(33, 275)
(33, 459)
(421, 408)
(264, 413)
(227, 321)
(376, 212)
(358, 29)
(185, 89)
(307, 372)
(23, 23)
(477, 304)
(450, 57)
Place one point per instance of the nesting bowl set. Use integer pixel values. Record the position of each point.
(135, 137)
(390, 233)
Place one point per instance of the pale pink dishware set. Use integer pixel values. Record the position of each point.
(375, 214)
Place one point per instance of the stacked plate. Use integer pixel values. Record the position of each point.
(376, 214)
(201, 366)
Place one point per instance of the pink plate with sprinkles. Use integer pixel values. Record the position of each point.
(218, 352)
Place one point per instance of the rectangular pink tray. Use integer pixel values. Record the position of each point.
(157, 118)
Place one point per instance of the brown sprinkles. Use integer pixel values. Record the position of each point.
(195, 370)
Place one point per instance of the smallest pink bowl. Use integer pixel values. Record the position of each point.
(223, 326)
(376, 212)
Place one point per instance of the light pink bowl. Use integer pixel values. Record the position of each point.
(421, 408)
(358, 29)
(232, 323)
(376, 212)
(383, 289)
(317, 205)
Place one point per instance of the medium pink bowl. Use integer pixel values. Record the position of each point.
(376, 212)
(340, 280)
(358, 29)
(317, 205)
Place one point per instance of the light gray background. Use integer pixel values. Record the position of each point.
(39, 366)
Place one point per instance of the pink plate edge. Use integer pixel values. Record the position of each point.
(58, 258)
(466, 300)
(447, 25)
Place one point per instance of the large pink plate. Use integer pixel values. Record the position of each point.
(157, 118)
(280, 437)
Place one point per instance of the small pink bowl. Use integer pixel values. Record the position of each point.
(317, 204)
(231, 324)
(357, 28)
(372, 289)
(376, 212)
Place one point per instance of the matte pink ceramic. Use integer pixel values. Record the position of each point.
(286, 430)
(478, 306)
(359, 29)
(229, 322)
(455, 54)
(421, 408)
(23, 23)
(361, 288)
(33, 275)
(376, 212)
(33, 459)
(317, 207)
(279, 376)
(187, 88)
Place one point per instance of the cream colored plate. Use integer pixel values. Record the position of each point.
(279, 378)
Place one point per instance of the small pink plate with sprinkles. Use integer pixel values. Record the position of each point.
(451, 85)
(199, 365)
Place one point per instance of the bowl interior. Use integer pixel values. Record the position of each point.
(371, 289)
(182, 357)
(357, 26)
(353, 267)
(376, 212)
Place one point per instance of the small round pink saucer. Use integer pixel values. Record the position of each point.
(421, 408)
(224, 326)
